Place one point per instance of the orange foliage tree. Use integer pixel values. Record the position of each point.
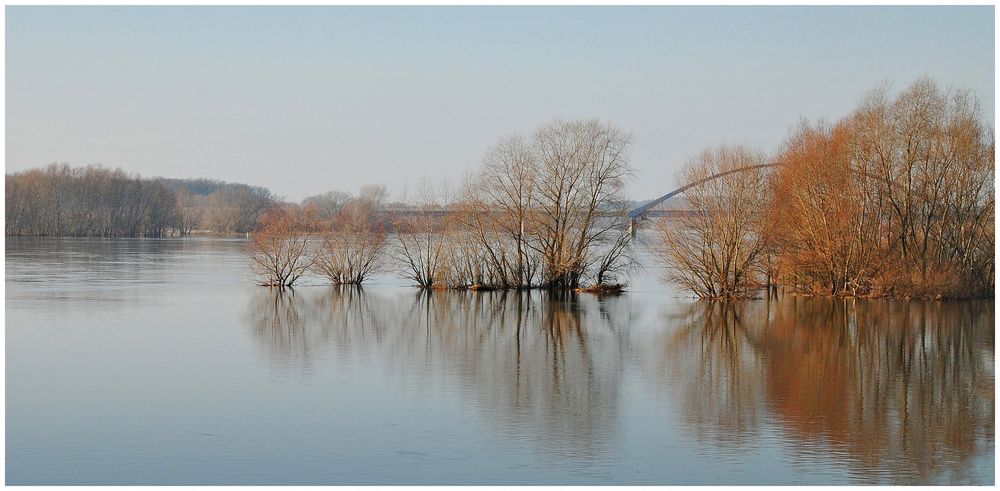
(822, 218)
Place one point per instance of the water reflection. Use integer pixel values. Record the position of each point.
(893, 392)
(395, 385)
(715, 361)
(277, 321)
(524, 358)
(902, 392)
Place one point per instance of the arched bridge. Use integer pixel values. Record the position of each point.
(637, 215)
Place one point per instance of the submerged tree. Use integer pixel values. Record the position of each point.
(549, 211)
(352, 248)
(825, 219)
(715, 250)
(278, 251)
(420, 245)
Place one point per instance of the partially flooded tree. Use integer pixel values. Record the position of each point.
(582, 168)
(715, 250)
(549, 211)
(352, 249)
(931, 157)
(896, 199)
(278, 251)
(498, 212)
(825, 217)
(420, 246)
(618, 257)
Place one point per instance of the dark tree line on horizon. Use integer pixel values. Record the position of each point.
(93, 201)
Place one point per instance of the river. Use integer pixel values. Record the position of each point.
(159, 362)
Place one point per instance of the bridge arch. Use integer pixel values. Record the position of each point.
(636, 215)
(640, 212)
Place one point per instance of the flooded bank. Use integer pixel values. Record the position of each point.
(157, 362)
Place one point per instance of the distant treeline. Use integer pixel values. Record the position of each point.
(93, 201)
(217, 206)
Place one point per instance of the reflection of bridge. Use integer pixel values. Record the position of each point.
(637, 215)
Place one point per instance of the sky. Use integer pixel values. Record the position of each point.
(304, 100)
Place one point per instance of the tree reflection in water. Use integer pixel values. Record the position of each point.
(523, 358)
(276, 319)
(298, 326)
(712, 358)
(903, 391)
(894, 392)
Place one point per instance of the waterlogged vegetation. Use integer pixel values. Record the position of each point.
(896, 199)
(496, 363)
(542, 212)
(392, 385)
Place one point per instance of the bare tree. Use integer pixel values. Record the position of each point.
(192, 209)
(278, 252)
(352, 251)
(928, 158)
(373, 196)
(582, 167)
(503, 205)
(420, 246)
(236, 208)
(714, 251)
(897, 199)
(549, 211)
(324, 207)
(617, 260)
(60, 200)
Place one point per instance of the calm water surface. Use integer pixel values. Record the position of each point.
(158, 362)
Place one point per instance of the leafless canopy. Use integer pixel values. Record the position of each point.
(353, 246)
(549, 211)
(278, 252)
(715, 250)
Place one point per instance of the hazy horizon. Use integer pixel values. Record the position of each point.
(305, 100)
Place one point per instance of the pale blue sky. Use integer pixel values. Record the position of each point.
(309, 99)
